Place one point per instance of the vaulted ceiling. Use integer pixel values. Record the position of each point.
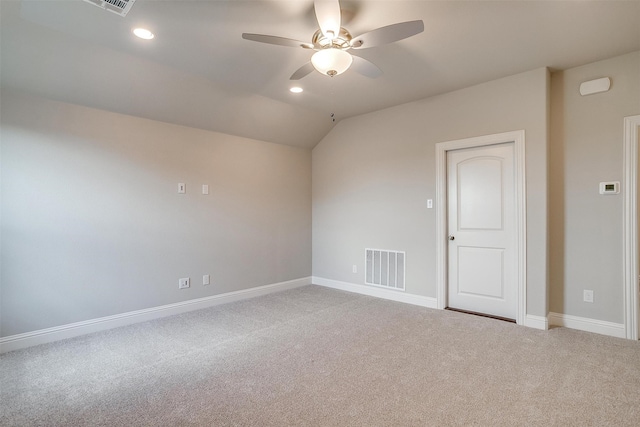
(198, 71)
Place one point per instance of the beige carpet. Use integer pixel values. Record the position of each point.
(319, 357)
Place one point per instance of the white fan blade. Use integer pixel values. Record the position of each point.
(281, 41)
(365, 67)
(389, 34)
(328, 15)
(302, 71)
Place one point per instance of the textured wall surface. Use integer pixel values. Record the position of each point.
(92, 223)
(586, 148)
(373, 174)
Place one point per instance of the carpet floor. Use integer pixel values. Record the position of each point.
(314, 356)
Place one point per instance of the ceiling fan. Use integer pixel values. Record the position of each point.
(331, 43)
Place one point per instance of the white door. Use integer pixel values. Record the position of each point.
(482, 262)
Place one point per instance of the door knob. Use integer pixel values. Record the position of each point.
(452, 238)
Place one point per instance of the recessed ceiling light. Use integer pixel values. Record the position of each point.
(143, 33)
(296, 89)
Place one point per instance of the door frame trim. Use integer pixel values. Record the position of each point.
(518, 140)
(630, 227)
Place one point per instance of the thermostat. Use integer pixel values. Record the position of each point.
(610, 187)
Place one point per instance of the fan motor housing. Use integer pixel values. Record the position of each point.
(342, 41)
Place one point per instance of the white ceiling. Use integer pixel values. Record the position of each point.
(199, 72)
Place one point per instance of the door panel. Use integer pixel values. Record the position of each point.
(480, 194)
(481, 225)
(482, 272)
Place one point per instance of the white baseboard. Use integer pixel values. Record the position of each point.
(588, 325)
(536, 322)
(377, 292)
(42, 336)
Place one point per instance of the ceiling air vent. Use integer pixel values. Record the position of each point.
(121, 7)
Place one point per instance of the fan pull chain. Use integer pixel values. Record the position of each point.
(332, 97)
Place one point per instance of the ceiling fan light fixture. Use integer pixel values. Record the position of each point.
(331, 61)
(332, 41)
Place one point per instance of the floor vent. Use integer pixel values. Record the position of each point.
(385, 268)
(121, 7)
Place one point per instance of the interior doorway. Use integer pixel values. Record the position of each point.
(631, 227)
(481, 230)
(516, 259)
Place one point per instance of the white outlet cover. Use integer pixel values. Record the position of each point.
(587, 296)
(206, 279)
(205, 189)
(183, 283)
(182, 188)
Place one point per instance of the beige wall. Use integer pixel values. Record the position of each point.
(92, 224)
(586, 148)
(373, 174)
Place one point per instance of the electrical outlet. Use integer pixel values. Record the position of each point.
(206, 279)
(587, 296)
(183, 283)
(354, 268)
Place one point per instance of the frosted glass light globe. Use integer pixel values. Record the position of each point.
(331, 61)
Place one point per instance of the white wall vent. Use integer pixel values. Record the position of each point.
(385, 268)
(121, 7)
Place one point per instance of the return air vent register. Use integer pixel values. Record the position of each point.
(385, 268)
(121, 7)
